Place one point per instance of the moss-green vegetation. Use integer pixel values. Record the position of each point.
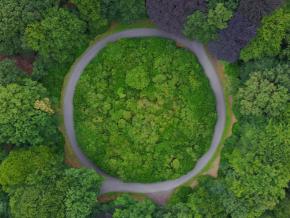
(144, 111)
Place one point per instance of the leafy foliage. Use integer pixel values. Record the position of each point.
(260, 97)
(39, 185)
(257, 169)
(123, 10)
(22, 163)
(204, 27)
(20, 122)
(143, 100)
(255, 10)
(282, 210)
(242, 28)
(270, 36)
(15, 16)
(58, 37)
(230, 4)
(233, 38)
(9, 73)
(90, 11)
(170, 15)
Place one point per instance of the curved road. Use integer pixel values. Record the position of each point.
(113, 184)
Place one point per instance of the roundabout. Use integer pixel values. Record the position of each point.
(113, 184)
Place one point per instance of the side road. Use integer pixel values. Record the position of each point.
(113, 184)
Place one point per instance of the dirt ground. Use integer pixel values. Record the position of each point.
(25, 63)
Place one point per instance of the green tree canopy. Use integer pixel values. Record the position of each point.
(204, 27)
(261, 96)
(39, 185)
(270, 37)
(27, 162)
(124, 10)
(58, 37)
(26, 116)
(15, 15)
(90, 11)
(9, 73)
(257, 169)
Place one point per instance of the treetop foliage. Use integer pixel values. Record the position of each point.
(58, 37)
(204, 27)
(15, 16)
(170, 15)
(151, 99)
(21, 123)
(9, 72)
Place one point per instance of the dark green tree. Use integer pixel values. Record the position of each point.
(270, 37)
(27, 162)
(15, 15)
(262, 97)
(90, 11)
(124, 10)
(204, 27)
(59, 37)
(9, 73)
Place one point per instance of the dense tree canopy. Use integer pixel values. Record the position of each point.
(124, 10)
(170, 15)
(261, 97)
(9, 73)
(26, 116)
(269, 39)
(39, 185)
(230, 4)
(15, 15)
(154, 105)
(90, 11)
(58, 37)
(242, 28)
(204, 27)
(24, 163)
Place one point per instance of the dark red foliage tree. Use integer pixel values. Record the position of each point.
(170, 15)
(242, 28)
(255, 10)
(232, 39)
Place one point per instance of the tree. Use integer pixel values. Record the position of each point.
(270, 36)
(27, 162)
(26, 116)
(241, 29)
(232, 39)
(282, 210)
(82, 187)
(229, 4)
(205, 27)
(90, 11)
(126, 207)
(256, 168)
(261, 97)
(125, 11)
(170, 15)
(73, 195)
(15, 15)
(206, 199)
(58, 37)
(39, 185)
(255, 10)
(9, 73)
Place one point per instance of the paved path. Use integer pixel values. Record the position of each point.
(113, 184)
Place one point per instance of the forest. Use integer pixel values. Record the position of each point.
(153, 106)
(40, 40)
